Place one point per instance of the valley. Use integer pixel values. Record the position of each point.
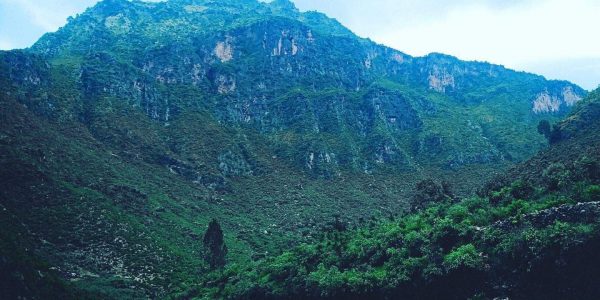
(127, 131)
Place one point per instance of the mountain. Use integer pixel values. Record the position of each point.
(326, 101)
(533, 233)
(126, 131)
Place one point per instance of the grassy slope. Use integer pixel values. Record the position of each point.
(86, 177)
(113, 222)
(532, 234)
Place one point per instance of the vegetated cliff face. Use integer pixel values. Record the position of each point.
(139, 120)
(532, 233)
(302, 79)
(574, 154)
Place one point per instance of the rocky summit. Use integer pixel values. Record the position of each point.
(125, 132)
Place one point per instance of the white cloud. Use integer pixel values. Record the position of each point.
(544, 31)
(41, 15)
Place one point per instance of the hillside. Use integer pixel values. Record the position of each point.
(126, 131)
(532, 234)
(325, 101)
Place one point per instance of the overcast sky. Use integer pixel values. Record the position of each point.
(555, 38)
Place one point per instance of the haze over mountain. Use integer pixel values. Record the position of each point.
(128, 130)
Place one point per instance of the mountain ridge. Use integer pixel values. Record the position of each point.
(436, 79)
(124, 133)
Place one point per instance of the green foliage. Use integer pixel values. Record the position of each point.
(586, 167)
(433, 245)
(556, 176)
(545, 128)
(465, 256)
(128, 129)
(516, 235)
(428, 191)
(214, 245)
(551, 133)
(592, 193)
(521, 189)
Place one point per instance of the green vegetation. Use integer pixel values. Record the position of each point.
(531, 233)
(551, 133)
(496, 246)
(337, 168)
(214, 246)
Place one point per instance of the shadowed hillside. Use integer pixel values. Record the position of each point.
(124, 133)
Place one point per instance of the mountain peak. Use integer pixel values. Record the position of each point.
(283, 3)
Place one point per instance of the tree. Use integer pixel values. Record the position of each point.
(428, 191)
(552, 133)
(544, 128)
(337, 224)
(215, 249)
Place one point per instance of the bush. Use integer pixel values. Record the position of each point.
(587, 168)
(521, 189)
(465, 256)
(556, 176)
(551, 133)
(428, 191)
(544, 128)
(592, 193)
(497, 197)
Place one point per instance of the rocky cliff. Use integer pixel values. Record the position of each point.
(128, 129)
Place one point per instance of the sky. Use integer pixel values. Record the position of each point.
(554, 38)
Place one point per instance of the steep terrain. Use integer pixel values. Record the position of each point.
(325, 101)
(533, 233)
(123, 133)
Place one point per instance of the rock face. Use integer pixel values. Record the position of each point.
(547, 103)
(247, 57)
(569, 96)
(440, 80)
(224, 51)
(585, 212)
(238, 108)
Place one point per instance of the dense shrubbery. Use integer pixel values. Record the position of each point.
(551, 133)
(125, 132)
(428, 191)
(473, 247)
(533, 236)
